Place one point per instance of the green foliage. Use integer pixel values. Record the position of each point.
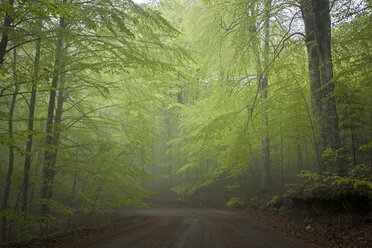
(57, 206)
(172, 92)
(237, 202)
(361, 171)
(328, 193)
(274, 204)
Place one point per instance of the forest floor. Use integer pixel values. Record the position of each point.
(192, 227)
(323, 230)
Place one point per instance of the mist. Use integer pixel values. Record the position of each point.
(185, 123)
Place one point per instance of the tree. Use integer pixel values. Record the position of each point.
(317, 20)
(8, 182)
(7, 26)
(30, 127)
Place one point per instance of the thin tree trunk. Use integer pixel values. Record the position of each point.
(7, 26)
(169, 137)
(31, 115)
(263, 84)
(57, 129)
(73, 190)
(300, 161)
(353, 146)
(281, 149)
(48, 171)
(8, 181)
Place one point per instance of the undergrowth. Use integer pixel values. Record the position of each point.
(328, 193)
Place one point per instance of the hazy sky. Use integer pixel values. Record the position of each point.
(139, 1)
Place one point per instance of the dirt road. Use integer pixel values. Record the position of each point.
(194, 228)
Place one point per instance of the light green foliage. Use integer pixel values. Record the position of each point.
(117, 59)
(170, 94)
(327, 191)
(236, 202)
(221, 125)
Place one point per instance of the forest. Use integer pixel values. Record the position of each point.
(109, 105)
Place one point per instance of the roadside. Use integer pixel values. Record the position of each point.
(81, 237)
(336, 231)
(193, 227)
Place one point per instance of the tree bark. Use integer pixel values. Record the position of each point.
(48, 171)
(57, 129)
(330, 128)
(263, 85)
(316, 16)
(8, 20)
(315, 84)
(31, 115)
(8, 181)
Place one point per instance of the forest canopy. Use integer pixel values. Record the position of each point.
(106, 103)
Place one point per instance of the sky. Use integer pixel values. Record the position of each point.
(139, 1)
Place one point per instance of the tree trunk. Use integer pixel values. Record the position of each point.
(263, 84)
(281, 149)
(8, 20)
(48, 171)
(316, 15)
(31, 115)
(315, 85)
(57, 128)
(8, 180)
(330, 129)
(353, 147)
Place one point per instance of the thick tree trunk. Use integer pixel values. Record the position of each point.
(48, 171)
(8, 20)
(315, 85)
(8, 180)
(31, 115)
(318, 38)
(330, 130)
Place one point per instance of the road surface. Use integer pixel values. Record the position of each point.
(193, 228)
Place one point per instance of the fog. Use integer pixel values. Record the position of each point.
(185, 124)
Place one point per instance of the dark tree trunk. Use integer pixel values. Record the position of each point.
(57, 129)
(315, 85)
(316, 15)
(353, 147)
(31, 115)
(8, 20)
(48, 171)
(8, 180)
(330, 130)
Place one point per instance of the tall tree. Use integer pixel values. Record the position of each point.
(263, 88)
(316, 16)
(8, 181)
(30, 127)
(7, 26)
(314, 75)
(48, 171)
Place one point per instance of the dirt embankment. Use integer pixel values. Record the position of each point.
(333, 230)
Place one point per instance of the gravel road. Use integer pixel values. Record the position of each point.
(193, 228)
